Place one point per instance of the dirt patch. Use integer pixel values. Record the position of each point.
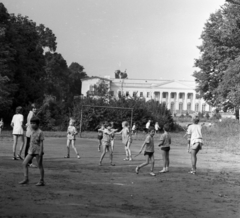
(81, 188)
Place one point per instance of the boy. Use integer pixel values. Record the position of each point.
(148, 147)
(35, 150)
(194, 132)
(106, 143)
(165, 142)
(71, 137)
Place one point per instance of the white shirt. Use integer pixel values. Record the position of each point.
(17, 122)
(148, 125)
(195, 131)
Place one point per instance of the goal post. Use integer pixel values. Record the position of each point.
(107, 107)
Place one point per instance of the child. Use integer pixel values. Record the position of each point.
(106, 144)
(126, 140)
(100, 136)
(186, 134)
(71, 137)
(35, 150)
(17, 124)
(1, 125)
(148, 147)
(165, 142)
(157, 127)
(195, 137)
(134, 129)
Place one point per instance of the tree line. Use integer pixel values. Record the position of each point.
(31, 70)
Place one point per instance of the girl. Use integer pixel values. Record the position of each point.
(106, 144)
(100, 136)
(17, 124)
(71, 137)
(126, 140)
(194, 132)
(148, 147)
(165, 142)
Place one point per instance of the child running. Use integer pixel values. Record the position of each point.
(35, 150)
(148, 147)
(100, 136)
(106, 144)
(165, 142)
(126, 140)
(194, 132)
(71, 138)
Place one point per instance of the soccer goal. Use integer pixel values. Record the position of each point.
(83, 107)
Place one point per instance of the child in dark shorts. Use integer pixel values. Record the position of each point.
(165, 142)
(148, 147)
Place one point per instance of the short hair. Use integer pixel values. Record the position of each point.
(106, 125)
(18, 110)
(125, 123)
(196, 120)
(151, 129)
(33, 106)
(35, 119)
(166, 127)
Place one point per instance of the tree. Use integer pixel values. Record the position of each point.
(121, 75)
(220, 46)
(5, 100)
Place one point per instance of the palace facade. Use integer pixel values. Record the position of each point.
(179, 95)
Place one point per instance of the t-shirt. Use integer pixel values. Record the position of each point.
(71, 133)
(125, 135)
(17, 121)
(165, 140)
(156, 127)
(106, 136)
(147, 125)
(29, 129)
(195, 130)
(133, 127)
(149, 144)
(36, 138)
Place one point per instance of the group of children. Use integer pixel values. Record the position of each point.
(106, 135)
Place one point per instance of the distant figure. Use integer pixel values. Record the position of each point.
(1, 125)
(17, 125)
(157, 127)
(147, 126)
(134, 129)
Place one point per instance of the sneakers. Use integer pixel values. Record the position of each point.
(19, 157)
(126, 159)
(137, 170)
(14, 158)
(130, 159)
(192, 172)
(152, 174)
(163, 170)
(40, 183)
(25, 181)
(78, 156)
(32, 165)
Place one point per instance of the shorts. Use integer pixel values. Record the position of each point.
(165, 149)
(196, 146)
(34, 155)
(107, 144)
(150, 154)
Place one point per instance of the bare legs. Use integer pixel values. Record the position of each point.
(15, 141)
(128, 151)
(148, 159)
(107, 148)
(194, 159)
(71, 142)
(165, 156)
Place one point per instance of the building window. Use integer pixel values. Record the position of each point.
(119, 94)
(188, 107)
(165, 95)
(189, 95)
(203, 107)
(196, 107)
(180, 107)
(134, 94)
(127, 93)
(180, 95)
(148, 94)
(172, 95)
(141, 94)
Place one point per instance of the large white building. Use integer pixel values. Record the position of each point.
(179, 96)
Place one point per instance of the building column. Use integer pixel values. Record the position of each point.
(185, 101)
(193, 101)
(177, 102)
(169, 100)
(160, 98)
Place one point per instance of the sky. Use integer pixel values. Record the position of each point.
(150, 39)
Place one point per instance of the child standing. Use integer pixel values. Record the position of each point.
(35, 150)
(148, 147)
(71, 137)
(106, 144)
(1, 125)
(112, 137)
(157, 127)
(165, 142)
(100, 136)
(194, 132)
(17, 124)
(126, 140)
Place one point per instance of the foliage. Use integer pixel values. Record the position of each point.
(121, 75)
(220, 46)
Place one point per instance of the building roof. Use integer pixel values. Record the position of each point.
(96, 77)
